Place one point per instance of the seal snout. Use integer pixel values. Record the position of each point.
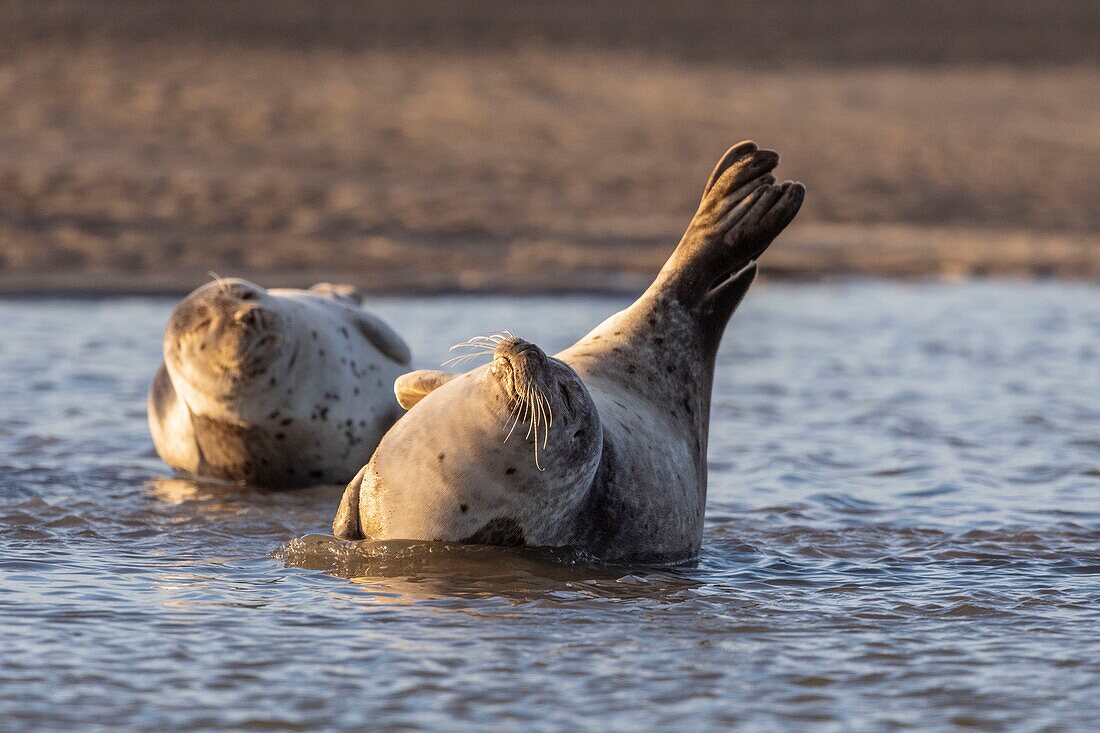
(520, 363)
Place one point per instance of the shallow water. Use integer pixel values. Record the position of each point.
(903, 531)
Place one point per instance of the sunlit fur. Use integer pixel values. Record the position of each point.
(275, 387)
(531, 407)
(616, 426)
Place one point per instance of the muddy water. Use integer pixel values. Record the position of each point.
(903, 532)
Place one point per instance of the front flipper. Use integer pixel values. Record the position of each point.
(412, 387)
(373, 328)
(345, 525)
(339, 292)
(743, 210)
(170, 424)
(384, 338)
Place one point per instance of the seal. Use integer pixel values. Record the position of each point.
(601, 447)
(279, 388)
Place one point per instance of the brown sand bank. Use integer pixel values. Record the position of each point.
(133, 162)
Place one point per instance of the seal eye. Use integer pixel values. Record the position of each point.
(247, 295)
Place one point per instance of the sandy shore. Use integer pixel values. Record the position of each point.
(133, 163)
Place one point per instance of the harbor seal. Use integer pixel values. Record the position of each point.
(601, 447)
(279, 388)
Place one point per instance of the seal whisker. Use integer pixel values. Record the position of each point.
(550, 409)
(547, 418)
(223, 286)
(471, 345)
(521, 415)
(534, 416)
(463, 357)
(535, 426)
(541, 418)
(468, 345)
(514, 413)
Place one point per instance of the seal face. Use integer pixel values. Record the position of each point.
(612, 436)
(279, 388)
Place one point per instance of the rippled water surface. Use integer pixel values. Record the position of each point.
(903, 531)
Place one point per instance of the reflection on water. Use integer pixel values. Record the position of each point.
(903, 531)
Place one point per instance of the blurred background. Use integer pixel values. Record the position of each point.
(494, 145)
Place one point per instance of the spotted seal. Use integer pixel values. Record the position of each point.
(278, 388)
(601, 447)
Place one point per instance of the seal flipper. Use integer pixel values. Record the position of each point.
(345, 525)
(384, 338)
(339, 292)
(741, 213)
(412, 387)
(170, 424)
(373, 328)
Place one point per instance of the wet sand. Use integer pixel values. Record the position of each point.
(436, 152)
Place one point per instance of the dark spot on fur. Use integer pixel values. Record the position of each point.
(316, 474)
(631, 369)
(344, 332)
(271, 382)
(510, 471)
(286, 421)
(356, 390)
(502, 531)
(280, 436)
(463, 508)
(442, 456)
(313, 333)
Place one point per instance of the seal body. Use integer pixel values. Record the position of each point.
(601, 447)
(280, 388)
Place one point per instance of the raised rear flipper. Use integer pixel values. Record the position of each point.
(742, 211)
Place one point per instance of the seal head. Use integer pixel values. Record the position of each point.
(223, 337)
(505, 452)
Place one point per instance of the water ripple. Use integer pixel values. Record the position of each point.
(903, 531)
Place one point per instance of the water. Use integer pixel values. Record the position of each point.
(903, 532)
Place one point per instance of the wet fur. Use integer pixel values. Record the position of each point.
(648, 373)
(311, 416)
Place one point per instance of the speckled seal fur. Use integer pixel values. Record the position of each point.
(279, 388)
(603, 446)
